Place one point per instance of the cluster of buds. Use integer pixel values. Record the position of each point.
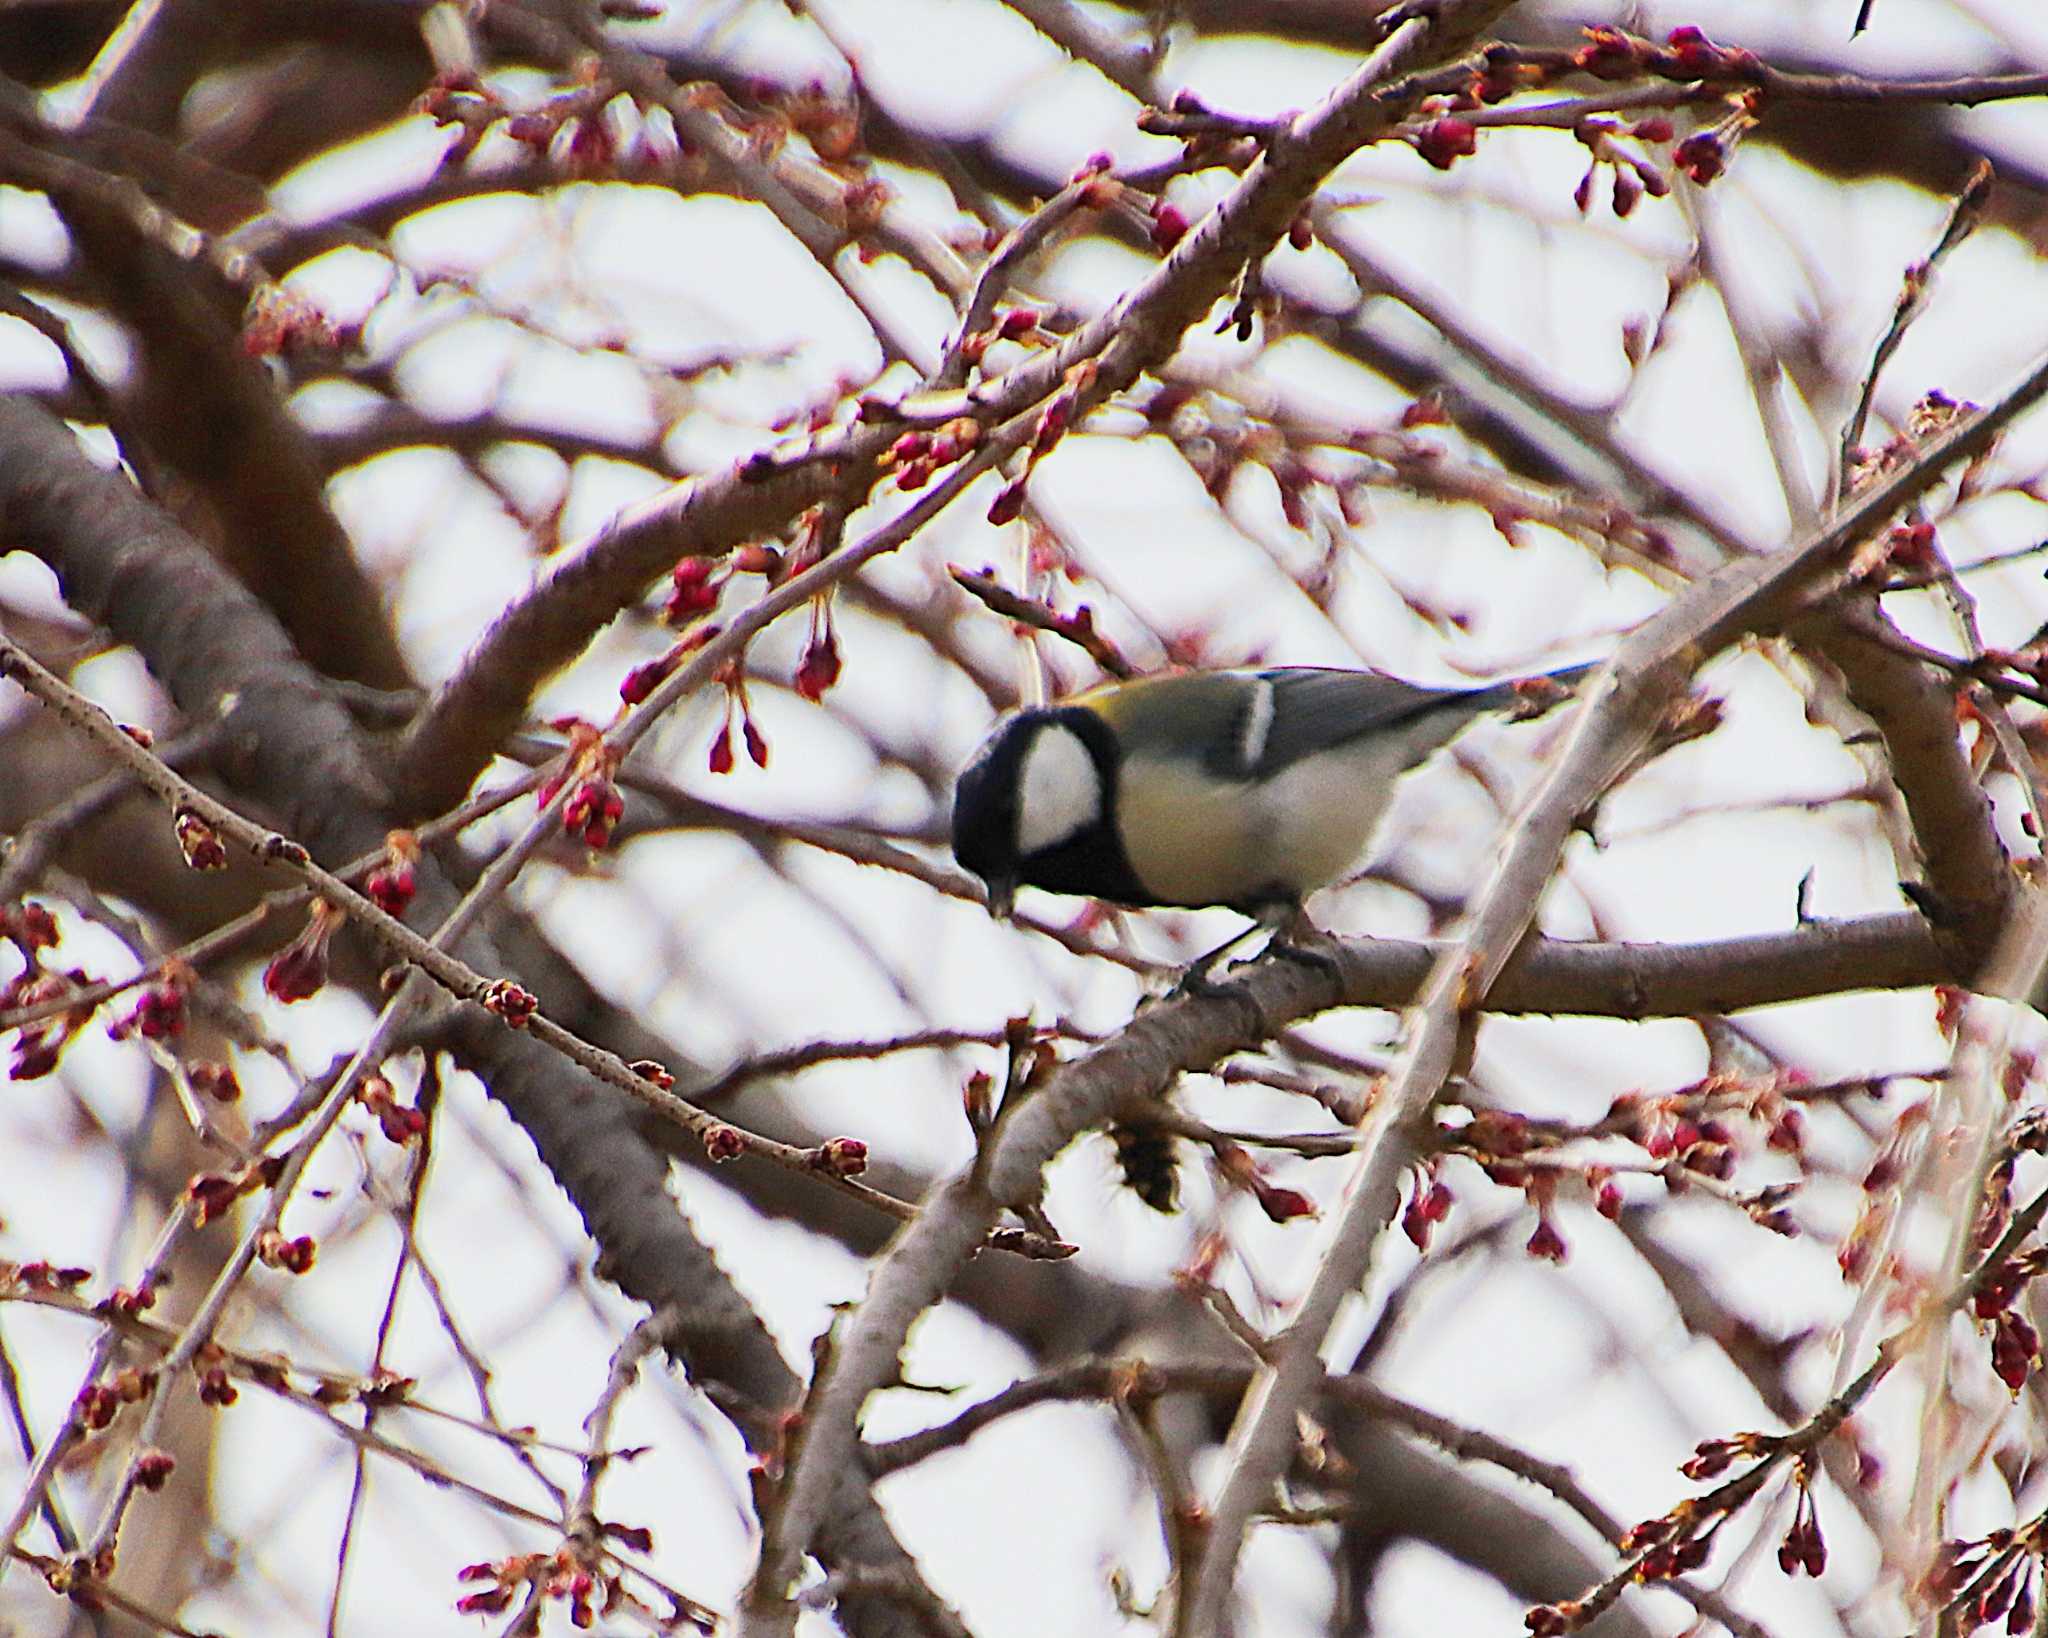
(2015, 1345)
(1687, 54)
(29, 927)
(153, 1469)
(1803, 1547)
(1008, 324)
(916, 456)
(98, 1403)
(694, 584)
(392, 884)
(384, 1390)
(589, 1591)
(1993, 1580)
(1095, 178)
(1705, 1145)
(1504, 74)
(818, 668)
(1687, 1133)
(1675, 1543)
(1671, 1546)
(1634, 175)
(212, 1193)
(506, 1001)
(127, 1302)
(737, 710)
(159, 1010)
(216, 1387)
(594, 805)
(299, 970)
(41, 1276)
(38, 1046)
(1498, 1141)
(292, 1254)
(1429, 1203)
(1713, 1457)
(401, 1123)
(198, 841)
(215, 1080)
(837, 1157)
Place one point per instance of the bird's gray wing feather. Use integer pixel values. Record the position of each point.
(1314, 709)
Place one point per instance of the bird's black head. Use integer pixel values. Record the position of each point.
(1036, 807)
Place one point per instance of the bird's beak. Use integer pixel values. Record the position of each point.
(1002, 896)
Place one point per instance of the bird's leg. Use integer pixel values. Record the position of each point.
(1196, 980)
(1274, 919)
(1300, 940)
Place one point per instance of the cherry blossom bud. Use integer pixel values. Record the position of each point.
(1443, 142)
(199, 842)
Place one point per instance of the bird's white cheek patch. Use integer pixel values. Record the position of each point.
(1059, 792)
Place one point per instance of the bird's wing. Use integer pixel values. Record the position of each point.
(1315, 708)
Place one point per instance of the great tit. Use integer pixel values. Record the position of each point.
(1248, 789)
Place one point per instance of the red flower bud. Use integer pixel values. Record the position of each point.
(644, 678)
(1008, 503)
(390, 887)
(211, 1194)
(1443, 142)
(1702, 156)
(215, 1388)
(819, 668)
(199, 842)
(1608, 54)
(1546, 1242)
(215, 1081)
(1169, 226)
(508, 1001)
(299, 970)
(294, 1256)
(840, 1157)
(153, 1469)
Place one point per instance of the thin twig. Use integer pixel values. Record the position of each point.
(1963, 216)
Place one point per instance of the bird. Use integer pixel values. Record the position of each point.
(1247, 789)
